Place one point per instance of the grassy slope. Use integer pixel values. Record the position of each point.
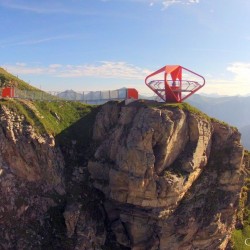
(53, 117)
(46, 117)
(68, 122)
(7, 79)
(243, 232)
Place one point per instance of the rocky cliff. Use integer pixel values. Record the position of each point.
(31, 175)
(46, 199)
(153, 176)
(172, 178)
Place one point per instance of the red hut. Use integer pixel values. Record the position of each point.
(8, 92)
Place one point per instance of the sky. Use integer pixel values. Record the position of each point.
(87, 45)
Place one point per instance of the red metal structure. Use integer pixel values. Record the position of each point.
(8, 92)
(132, 94)
(174, 83)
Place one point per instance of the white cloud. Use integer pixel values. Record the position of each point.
(38, 41)
(237, 84)
(240, 70)
(20, 64)
(33, 8)
(24, 69)
(44, 7)
(35, 41)
(55, 66)
(194, 1)
(167, 3)
(105, 69)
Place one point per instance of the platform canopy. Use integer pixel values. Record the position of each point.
(174, 83)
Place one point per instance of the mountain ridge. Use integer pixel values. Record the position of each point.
(145, 175)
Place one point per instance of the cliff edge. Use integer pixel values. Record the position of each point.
(171, 177)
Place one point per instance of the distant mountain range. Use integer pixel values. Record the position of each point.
(234, 110)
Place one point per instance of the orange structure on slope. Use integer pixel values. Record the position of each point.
(8, 92)
(174, 83)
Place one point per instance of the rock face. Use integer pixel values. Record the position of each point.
(31, 175)
(171, 178)
(161, 178)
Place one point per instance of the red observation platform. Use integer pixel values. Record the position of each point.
(174, 83)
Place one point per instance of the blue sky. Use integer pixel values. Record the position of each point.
(108, 44)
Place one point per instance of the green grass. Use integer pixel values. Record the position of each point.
(52, 117)
(22, 110)
(187, 107)
(240, 235)
(183, 106)
(57, 116)
(222, 122)
(7, 79)
(23, 89)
